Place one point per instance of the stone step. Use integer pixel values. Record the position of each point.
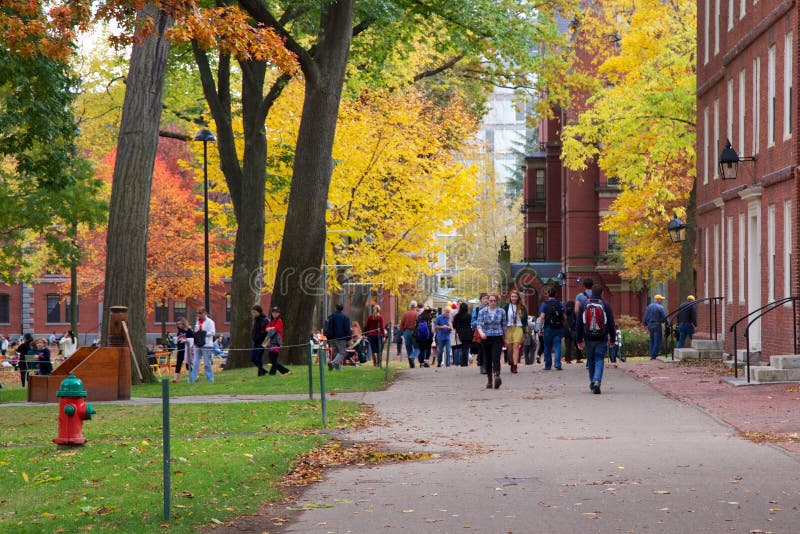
(765, 373)
(697, 354)
(785, 361)
(708, 344)
(755, 356)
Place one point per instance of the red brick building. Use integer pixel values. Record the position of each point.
(563, 241)
(746, 228)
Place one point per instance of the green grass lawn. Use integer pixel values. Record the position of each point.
(226, 458)
(243, 382)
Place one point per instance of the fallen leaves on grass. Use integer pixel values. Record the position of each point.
(762, 437)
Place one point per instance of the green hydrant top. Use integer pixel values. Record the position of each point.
(72, 386)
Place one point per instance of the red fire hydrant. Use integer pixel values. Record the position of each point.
(72, 411)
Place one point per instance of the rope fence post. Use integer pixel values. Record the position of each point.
(166, 451)
(322, 391)
(310, 370)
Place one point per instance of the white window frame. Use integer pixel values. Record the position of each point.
(715, 159)
(771, 253)
(756, 103)
(716, 26)
(729, 259)
(716, 261)
(705, 145)
(742, 8)
(742, 240)
(729, 112)
(742, 105)
(707, 40)
(771, 58)
(730, 15)
(706, 263)
(787, 85)
(787, 249)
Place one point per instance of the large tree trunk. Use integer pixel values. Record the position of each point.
(298, 278)
(126, 246)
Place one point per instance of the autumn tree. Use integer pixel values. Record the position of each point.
(638, 123)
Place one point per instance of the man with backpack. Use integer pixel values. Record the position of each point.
(553, 316)
(594, 329)
(338, 330)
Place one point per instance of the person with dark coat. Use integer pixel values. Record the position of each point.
(45, 367)
(462, 324)
(184, 332)
(338, 330)
(597, 335)
(22, 350)
(687, 321)
(572, 350)
(258, 335)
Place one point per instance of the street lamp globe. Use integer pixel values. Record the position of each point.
(677, 229)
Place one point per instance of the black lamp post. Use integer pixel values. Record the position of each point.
(677, 229)
(729, 162)
(206, 135)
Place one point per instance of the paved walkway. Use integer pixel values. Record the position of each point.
(543, 454)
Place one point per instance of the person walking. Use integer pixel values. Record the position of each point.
(594, 329)
(68, 344)
(424, 336)
(22, 350)
(443, 328)
(571, 349)
(553, 316)
(517, 318)
(338, 331)
(204, 332)
(274, 340)
(462, 324)
(44, 364)
(374, 328)
(398, 339)
(654, 317)
(583, 296)
(484, 301)
(491, 327)
(687, 321)
(257, 336)
(408, 322)
(183, 341)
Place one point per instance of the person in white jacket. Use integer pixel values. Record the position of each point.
(205, 324)
(68, 344)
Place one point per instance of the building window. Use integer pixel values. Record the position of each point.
(730, 15)
(756, 102)
(179, 309)
(771, 253)
(729, 112)
(613, 243)
(162, 311)
(228, 308)
(538, 245)
(706, 264)
(716, 139)
(5, 308)
(716, 26)
(716, 261)
(787, 87)
(729, 259)
(742, 237)
(705, 145)
(53, 308)
(771, 96)
(489, 139)
(787, 249)
(68, 311)
(706, 34)
(539, 191)
(742, 96)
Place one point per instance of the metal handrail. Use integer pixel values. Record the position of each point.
(771, 305)
(712, 315)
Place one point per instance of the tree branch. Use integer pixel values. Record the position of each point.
(450, 63)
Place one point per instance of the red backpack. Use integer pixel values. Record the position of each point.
(594, 319)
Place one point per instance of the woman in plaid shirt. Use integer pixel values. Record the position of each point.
(492, 328)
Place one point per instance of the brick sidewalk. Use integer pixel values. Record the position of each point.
(762, 413)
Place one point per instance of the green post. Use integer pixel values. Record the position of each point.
(322, 391)
(310, 369)
(165, 431)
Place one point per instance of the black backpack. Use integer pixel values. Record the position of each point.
(553, 314)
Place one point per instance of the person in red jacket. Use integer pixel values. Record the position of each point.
(274, 340)
(373, 328)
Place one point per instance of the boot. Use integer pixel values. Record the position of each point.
(497, 381)
(489, 384)
(411, 362)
